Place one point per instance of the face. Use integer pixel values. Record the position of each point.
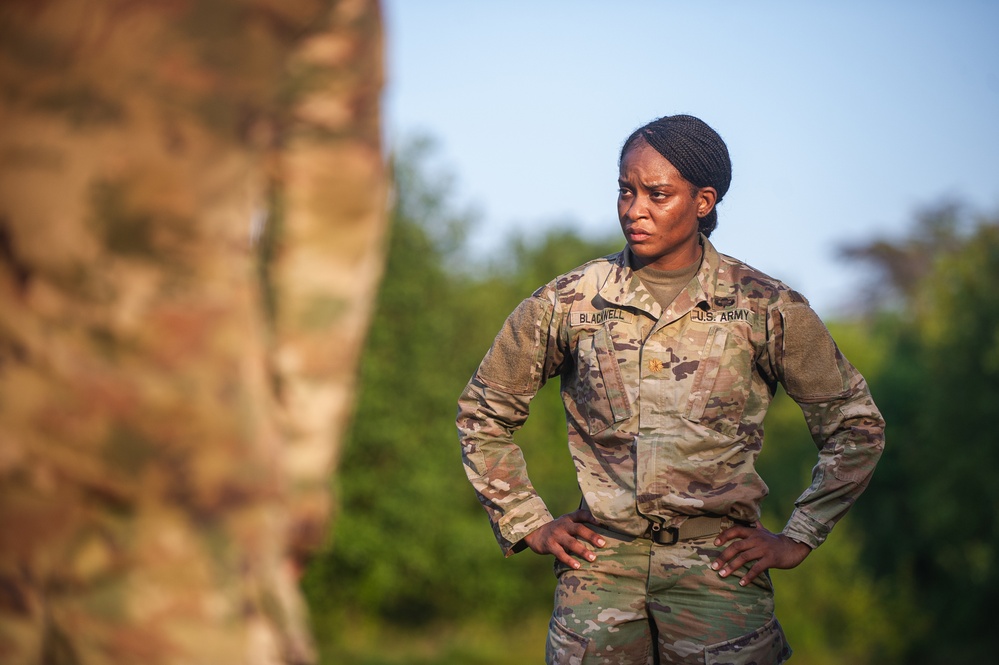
(659, 209)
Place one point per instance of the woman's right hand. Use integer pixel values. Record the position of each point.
(565, 537)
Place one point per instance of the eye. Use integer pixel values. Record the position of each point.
(658, 196)
(623, 192)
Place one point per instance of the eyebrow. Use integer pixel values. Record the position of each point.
(650, 185)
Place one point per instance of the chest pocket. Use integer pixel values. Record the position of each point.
(600, 393)
(721, 384)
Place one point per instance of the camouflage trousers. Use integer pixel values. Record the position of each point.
(641, 603)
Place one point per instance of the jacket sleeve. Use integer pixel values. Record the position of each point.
(495, 404)
(841, 415)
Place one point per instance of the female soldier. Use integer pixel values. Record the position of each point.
(669, 354)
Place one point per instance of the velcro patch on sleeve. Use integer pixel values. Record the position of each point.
(812, 369)
(515, 361)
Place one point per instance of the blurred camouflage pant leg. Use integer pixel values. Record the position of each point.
(638, 597)
(171, 392)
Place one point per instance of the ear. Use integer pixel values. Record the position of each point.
(705, 199)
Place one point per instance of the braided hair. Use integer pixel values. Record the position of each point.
(695, 150)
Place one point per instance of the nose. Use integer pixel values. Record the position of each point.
(633, 208)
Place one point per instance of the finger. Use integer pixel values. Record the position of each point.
(731, 564)
(589, 535)
(734, 550)
(566, 558)
(571, 552)
(581, 515)
(578, 548)
(733, 533)
(751, 574)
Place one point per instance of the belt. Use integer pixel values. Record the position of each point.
(693, 527)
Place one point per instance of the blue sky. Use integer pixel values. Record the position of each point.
(842, 118)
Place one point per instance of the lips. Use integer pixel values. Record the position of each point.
(636, 235)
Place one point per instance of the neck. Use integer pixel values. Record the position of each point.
(677, 261)
(665, 285)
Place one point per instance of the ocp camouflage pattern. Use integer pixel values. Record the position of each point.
(191, 212)
(665, 408)
(605, 610)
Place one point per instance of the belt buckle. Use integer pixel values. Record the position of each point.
(665, 535)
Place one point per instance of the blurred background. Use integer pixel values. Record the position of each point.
(194, 215)
(842, 119)
(863, 138)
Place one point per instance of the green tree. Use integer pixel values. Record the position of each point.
(933, 503)
(901, 265)
(411, 546)
(833, 609)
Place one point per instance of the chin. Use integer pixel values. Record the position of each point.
(644, 252)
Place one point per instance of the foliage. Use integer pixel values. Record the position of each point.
(832, 609)
(902, 264)
(934, 501)
(411, 545)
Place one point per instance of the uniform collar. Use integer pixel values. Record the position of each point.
(622, 286)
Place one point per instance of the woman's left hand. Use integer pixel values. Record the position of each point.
(768, 550)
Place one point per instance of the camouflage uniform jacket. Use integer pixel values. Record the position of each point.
(665, 408)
